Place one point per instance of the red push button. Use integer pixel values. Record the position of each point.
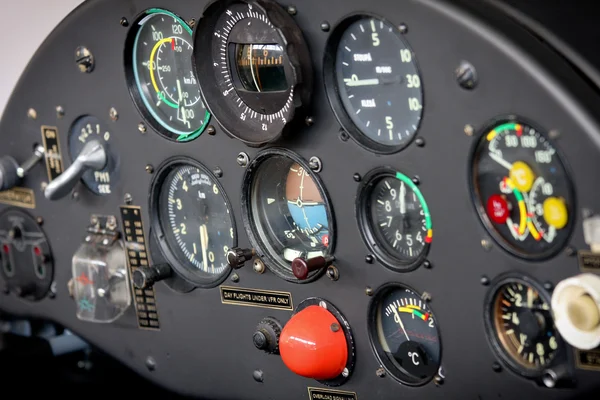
(497, 209)
(313, 345)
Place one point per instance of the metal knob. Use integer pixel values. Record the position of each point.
(302, 267)
(146, 277)
(236, 257)
(92, 156)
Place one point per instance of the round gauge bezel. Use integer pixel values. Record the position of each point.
(479, 206)
(366, 228)
(333, 90)
(207, 281)
(276, 263)
(374, 339)
(490, 325)
(251, 130)
(141, 103)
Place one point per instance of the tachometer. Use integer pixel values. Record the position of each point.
(404, 334)
(288, 211)
(193, 221)
(253, 66)
(373, 83)
(394, 219)
(162, 84)
(522, 190)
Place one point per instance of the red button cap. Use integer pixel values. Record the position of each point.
(313, 345)
(497, 209)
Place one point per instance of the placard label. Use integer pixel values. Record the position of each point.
(52, 154)
(589, 262)
(328, 394)
(588, 359)
(256, 298)
(20, 197)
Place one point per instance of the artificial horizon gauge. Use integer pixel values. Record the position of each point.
(83, 130)
(373, 83)
(253, 66)
(520, 325)
(159, 68)
(522, 190)
(404, 334)
(193, 221)
(287, 210)
(394, 219)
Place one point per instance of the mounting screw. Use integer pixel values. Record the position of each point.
(149, 169)
(554, 134)
(84, 59)
(142, 127)
(258, 375)
(243, 159)
(315, 164)
(43, 186)
(292, 10)
(75, 195)
(322, 304)
(333, 273)
(357, 177)
(570, 251)
(309, 121)
(192, 22)
(369, 259)
(466, 75)
(150, 363)
(469, 130)
(369, 291)
(211, 130)
(486, 244)
(344, 136)
(40, 221)
(218, 172)
(235, 278)
(335, 327)
(420, 142)
(113, 114)
(485, 281)
(128, 199)
(380, 373)
(403, 28)
(345, 373)
(258, 266)
(31, 113)
(416, 180)
(325, 26)
(496, 366)
(548, 286)
(52, 292)
(60, 112)
(427, 264)
(439, 380)
(124, 22)
(426, 297)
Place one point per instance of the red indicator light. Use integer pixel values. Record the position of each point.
(497, 209)
(37, 251)
(6, 249)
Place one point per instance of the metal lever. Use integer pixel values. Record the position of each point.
(10, 171)
(92, 156)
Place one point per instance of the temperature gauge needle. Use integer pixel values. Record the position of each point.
(399, 320)
(204, 244)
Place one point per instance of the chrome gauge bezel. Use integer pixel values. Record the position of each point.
(333, 91)
(492, 334)
(376, 345)
(198, 280)
(479, 205)
(275, 262)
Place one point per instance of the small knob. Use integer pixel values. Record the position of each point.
(236, 257)
(146, 277)
(302, 267)
(92, 156)
(266, 337)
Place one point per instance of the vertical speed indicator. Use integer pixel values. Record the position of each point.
(374, 84)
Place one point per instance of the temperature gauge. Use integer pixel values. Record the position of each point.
(404, 334)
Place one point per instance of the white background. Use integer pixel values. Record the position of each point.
(30, 22)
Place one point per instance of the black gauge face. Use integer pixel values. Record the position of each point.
(163, 84)
(289, 211)
(522, 190)
(377, 82)
(394, 218)
(249, 81)
(84, 130)
(197, 223)
(404, 335)
(522, 328)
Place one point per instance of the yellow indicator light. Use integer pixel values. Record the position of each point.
(522, 176)
(555, 212)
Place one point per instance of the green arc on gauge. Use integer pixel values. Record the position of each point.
(416, 190)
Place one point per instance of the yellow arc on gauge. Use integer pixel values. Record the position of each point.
(152, 78)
